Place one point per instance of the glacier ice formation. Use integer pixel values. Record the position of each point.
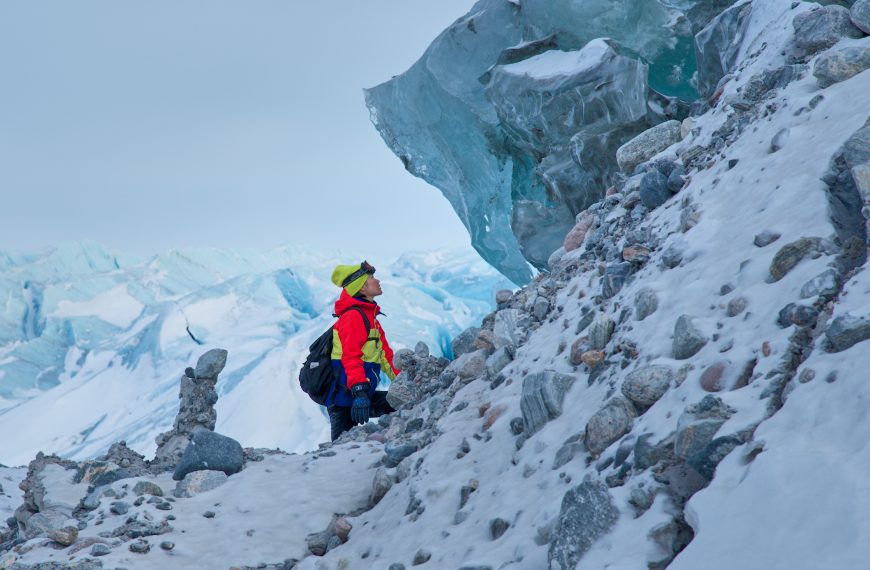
(516, 110)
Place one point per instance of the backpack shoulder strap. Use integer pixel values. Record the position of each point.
(362, 313)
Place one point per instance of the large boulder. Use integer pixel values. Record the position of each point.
(210, 451)
(646, 385)
(542, 397)
(609, 424)
(822, 27)
(840, 65)
(647, 144)
(587, 514)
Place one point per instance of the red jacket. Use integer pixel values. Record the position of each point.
(362, 356)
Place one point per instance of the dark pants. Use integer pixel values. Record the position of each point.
(339, 416)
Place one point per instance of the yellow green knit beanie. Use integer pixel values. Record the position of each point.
(342, 272)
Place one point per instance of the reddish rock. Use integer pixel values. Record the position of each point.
(577, 349)
(711, 378)
(636, 254)
(575, 237)
(592, 358)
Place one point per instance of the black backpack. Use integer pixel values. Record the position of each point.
(317, 376)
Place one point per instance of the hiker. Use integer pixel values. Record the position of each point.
(359, 351)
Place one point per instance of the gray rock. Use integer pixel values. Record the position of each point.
(822, 27)
(587, 514)
(318, 542)
(496, 362)
(421, 557)
(789, 256)
(403, 393)
(840, 65)
(647, 144)
(404, 359)
(641, 498)
(147, 488)
(717, 46)
(609, 424)
(100, 550)
(140, 546)
(646, 454)
(381, 485)
(508, 329)
(800, 315)
(706, 460)
(826, 284)
(766, 238)
(846, 331)
(600, 332)
(698, 424)
(211, 363)
(676, 180)
(199, 482)
(421, 350)
(120, 507)
(397, 450)
(688, 339)
(736, 306)
(762, 83)
(497, 528)
(542, 397)
(43, 522)
(572, 446)
(471, 365)
(212, 451)
(541, 307)
(555, 258)
(614, 278)
(654, 189)
(860, 15)
(464, 342)
(167, 545)
(646, 385)
(672, 256)
(64, 536)
(396, 566)
(333, 543)
(646, 302)
(503, 296)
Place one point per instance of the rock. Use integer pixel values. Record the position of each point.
(672, 256)
(119, 507)
(711, 379)
(846, 331)
(654, 189)
(706, 460)
(826, 284)
(396, 451)
(698, 424)
(421, 557)
(464, 342)
(800, 315)
(641, 498)
(333, 543)
(496, 362)
(140, 546)
(471, 365)
(421, 350)
(381, 484)
(780, 139)
(592, 358)
(396, 566)
(646, 302)
(212, 451)
(689, 217)
(646, 455)
(211, 363)
(609, 424)
(587, 514)
(822, 27)
(64, 536)
(575, 237)
(840, 65)
(318, 542)
(646, 385)
(167, 545)
(497, 528)
(676, 180)
(403, 393)
(789, 256)
(736, 306)
(508, 329)
(100, 550)
(600, 331)
(517, 426)
(614, 278)
(503, 296)
(147, 488)
(766, 238)
(404, 359)
(636, 254)
(860, 15)
(688, 339)
(762, 83)
(570, 448)
(647, 144)
(542, 397)
(199, 482)
(540, 308)
(555, 258)
(44, 522)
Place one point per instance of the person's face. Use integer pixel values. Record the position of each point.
(372, 287)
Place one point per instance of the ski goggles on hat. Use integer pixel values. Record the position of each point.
(364, 268)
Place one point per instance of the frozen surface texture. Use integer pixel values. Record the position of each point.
(515, 111)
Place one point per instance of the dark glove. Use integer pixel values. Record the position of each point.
(359, 412)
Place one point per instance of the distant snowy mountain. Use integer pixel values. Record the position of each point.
(93, 343)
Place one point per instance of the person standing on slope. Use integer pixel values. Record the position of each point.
(360, 351)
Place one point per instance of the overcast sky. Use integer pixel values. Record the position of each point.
(171, 123)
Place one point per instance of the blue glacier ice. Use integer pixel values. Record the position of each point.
(102, 338)
(516, 110)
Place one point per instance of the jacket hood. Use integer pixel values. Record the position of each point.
(345, 302)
